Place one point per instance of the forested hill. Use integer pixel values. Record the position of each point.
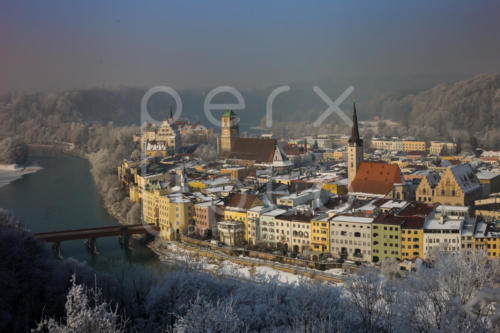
(463, 111)
(458, 111)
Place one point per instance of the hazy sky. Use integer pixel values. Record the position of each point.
(48, 45)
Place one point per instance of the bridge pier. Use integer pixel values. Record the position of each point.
(57, 250)
(124, 241)
(92, 245)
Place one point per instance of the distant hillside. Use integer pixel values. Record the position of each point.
(465, 111)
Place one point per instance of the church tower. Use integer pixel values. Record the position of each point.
(229, 131)
(354, 149)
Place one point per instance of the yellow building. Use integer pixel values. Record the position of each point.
(197, 185)
(237, 207)
(336, 155)
(320, 231)
(335, 188)
(143, 181)
(488, 208)
(172, 214)
(438, 148)
(134, 193)
(487, 238)
(458, 186)
(414, 145)
(412, 238)
(236, 173)
(425, 189)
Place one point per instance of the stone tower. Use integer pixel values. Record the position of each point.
(229, 131)
(354, 149)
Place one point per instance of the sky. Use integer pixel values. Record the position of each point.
(57, 44)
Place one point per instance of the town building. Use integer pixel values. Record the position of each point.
(161, 140)
(231, 233)
(490, 182)
(458, 186)
(293, 229)
(268, 229)
(425, 190)
(350, 237)
(386, 236)
(173, 214)
(320, 234)
(487, 238)
(442, 148)
(238, 205)
(397, 144)
(205, 223)
(253, 223)
(489, 208)
(442, 231)
(412, 237)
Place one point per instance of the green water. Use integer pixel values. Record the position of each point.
(63, 196)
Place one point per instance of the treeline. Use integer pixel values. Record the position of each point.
(465, 111)
(454, 294)
(13, 151)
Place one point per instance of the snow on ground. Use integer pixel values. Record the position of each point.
(11, 172)
(170, 252)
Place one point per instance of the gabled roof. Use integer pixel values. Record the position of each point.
(258, 150)
(432, 179)
(243, 201)
(376, 178)
(465, 178)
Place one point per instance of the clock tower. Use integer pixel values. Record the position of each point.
(229, 131)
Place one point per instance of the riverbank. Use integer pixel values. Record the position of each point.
(253, 269)
(12, 172)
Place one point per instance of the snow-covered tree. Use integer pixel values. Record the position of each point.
(203, 316)
(86, 312)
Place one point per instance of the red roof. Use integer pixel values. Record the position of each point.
(239, 200)
(250, 149)
(376, 178)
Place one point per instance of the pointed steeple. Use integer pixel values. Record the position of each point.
(171, 112)
(355, 131)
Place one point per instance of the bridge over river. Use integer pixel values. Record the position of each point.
(90, 235)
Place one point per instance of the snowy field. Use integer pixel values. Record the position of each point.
(170, 252)
(11, 172)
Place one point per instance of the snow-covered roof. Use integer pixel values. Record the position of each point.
(487, 175)
(465, 178)
(355, 219)
(443, 224)
(394, 204)
(274, 212)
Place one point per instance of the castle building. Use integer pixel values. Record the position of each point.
(354, 149)
(161, 140)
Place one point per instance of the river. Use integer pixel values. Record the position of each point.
(63, 196)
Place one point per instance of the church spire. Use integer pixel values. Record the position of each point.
(355, 131)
